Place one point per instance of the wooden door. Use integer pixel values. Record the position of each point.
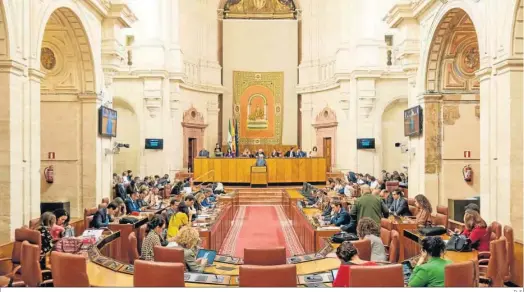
(327, 153)
(191, 152)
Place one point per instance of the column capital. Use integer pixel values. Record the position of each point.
(89, 97)
(36, 75)
(11, 66)
(430, 97)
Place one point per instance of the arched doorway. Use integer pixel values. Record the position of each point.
(393, 159)
(326, 133)
(452, 109)
(128, 158)
(193, 126)
(68, 113)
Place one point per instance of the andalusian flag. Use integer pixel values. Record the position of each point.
(233, 138)
(237, 137)
(230, 137)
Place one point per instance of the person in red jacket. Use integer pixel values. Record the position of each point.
(348, 255)
(476, 230)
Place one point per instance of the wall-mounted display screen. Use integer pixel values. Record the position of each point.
(413, 121)
(367, 143)
(154, 143)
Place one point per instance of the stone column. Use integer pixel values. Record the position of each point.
(346, 130)
(308, 135)
(487, 147)
(32, 191)
(176, 130)
(153, 93)
(509, 141)
(89, 135)
(11, 167)
(174, 60)
(432, 140)
(366, 101)
(211, 135)
(352, 132)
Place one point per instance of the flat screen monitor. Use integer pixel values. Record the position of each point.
(107, 121)
(154, 143)
(367, 143)
(413, 121)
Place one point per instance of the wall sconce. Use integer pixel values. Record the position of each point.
(130, 40)
(389, 43)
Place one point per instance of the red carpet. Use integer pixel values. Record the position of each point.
(260, 227)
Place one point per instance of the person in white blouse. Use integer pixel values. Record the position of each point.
(374, 183)
(313, 152)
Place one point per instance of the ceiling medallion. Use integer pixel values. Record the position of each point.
(47, 58)
(471, 59)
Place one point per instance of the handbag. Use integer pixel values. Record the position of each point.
(343, 236)
(128, 220)
(459, 242)
(69, 245)
(432, 230)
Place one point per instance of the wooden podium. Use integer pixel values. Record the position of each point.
(259, 175)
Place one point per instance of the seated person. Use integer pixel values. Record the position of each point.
(132, 204)
(246, 153)
(47, 221)
(141, 199)
(171, 210)
(62, 227)
(370, 230)
(387, 198)
(178, 220)
(429, 271)
(260, 160)
(153, 238)
(188, 238)
(348, 255)
(103, 216)
(203, 153)
(189, 201)
(206, 201)
(340, 216)
(274, 153)
(230, 154)
(424, 210)
(476, 230)
(122, 209)
(400, 205)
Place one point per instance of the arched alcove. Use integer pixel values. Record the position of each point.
(128, 132)
(326, 135)
(193, 127)
(392, 132)
(68, 112)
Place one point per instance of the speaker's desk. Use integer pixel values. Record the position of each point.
(279, 170)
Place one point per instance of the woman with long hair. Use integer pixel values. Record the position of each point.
(425, 209)
(153, 238)
(476, 230)
(47, 221)
(177, 221)
(429, 271)
(189, 238)
(348, 256)
(368, 229)
(122, 209)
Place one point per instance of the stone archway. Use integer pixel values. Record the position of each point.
(452, 109)
(128, 158)
(193, 126)
(326, 128)
(68, 112)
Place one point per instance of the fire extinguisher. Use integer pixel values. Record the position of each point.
(467, 172)
(49, 174)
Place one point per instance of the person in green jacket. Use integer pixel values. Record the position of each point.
(429, 271)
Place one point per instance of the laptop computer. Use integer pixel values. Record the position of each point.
(407, 270)
(210, 255)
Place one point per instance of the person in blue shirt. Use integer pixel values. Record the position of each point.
(340, 216)
(260, 160)
(206, 203)
(132, 204)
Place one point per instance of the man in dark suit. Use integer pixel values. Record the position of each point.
(290, 153)
(340, 216)
(203, 153)
(400, 205)
(120, 189)
(387, 198)
(132, 204)
(300, 153)
(103, 216)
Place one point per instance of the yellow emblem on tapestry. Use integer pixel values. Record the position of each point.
(257, 112)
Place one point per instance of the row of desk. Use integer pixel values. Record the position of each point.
(279, 170)
(311, 236)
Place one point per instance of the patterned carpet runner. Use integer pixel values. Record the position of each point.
(261, 227)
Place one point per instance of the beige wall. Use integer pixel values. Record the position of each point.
(262, 46)
(128, 131)
(393, 132)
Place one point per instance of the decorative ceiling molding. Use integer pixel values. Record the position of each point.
(260, 9)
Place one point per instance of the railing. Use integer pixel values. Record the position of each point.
(204, 175)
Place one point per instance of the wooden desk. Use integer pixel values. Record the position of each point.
(412, 247)
(118, 249)
(259, 175)
(279, 170)
(400, 225)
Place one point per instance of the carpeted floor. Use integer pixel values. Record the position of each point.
(260, 227)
